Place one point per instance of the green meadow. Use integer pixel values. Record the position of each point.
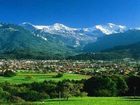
(29, 77)
(92, 101)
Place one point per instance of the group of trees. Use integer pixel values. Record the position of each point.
(103, 85)
(114, 85)
(106, 86)
(38, 91)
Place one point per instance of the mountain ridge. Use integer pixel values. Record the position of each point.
(131, 51)
(107, 29)
(118, 39)
(18, 42)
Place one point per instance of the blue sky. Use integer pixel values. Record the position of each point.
(74, 13)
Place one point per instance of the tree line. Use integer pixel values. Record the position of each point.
(101, 85)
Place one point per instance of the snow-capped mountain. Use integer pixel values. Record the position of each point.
(58, 39)
(60, 29)
(79, 35)
(74, 35)
(111, 28)
(52, 29)
(56, 29)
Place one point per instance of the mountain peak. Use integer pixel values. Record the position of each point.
(26, 23)
(61, 29)
(111, 25)
(111, 28)
(59, 24)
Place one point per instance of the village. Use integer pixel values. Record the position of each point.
(72, 66)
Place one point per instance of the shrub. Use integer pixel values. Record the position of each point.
(32, 95)
(59, 75)
(4, 95)
(16, 99)
(83, 94)
(9, 73)
(29, 77)
(103, 92)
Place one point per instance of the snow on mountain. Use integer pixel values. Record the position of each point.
(61, 29)
(90, 34)
(138, 28)
(28, 26)
(111, 28)
(57, 28)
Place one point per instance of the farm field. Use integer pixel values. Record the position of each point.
(93, 101)
(28, 77)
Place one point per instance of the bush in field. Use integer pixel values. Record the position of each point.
(9, 73)
(32, 95)
(103, 92)
(4, 95)
(54, 94)
(15, 99)
(59, 75)
(67, 88)
(83, 94)
(29, 77)
(48, 87)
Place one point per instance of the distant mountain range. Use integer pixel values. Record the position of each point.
(61, 29)
(118, 52)
(59, 41)
(80, 36)
(113, 40)
(69, 36)
(17, 42)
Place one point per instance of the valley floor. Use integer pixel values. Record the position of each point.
(29, 77)
(92, 101)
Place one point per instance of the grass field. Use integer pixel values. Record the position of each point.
(92, 101)
(27, 77)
